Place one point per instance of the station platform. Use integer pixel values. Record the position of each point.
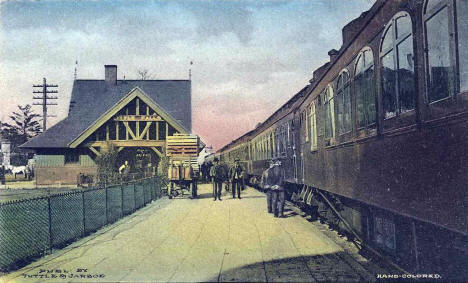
(185, 240)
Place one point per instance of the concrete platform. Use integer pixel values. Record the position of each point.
(201, 240)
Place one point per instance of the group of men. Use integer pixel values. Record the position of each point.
(205, 169)
(219, 174)
(273, 180)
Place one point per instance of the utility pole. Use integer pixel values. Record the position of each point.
(45, 99)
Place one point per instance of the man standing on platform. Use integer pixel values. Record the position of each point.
(235, 176)
(218, 174)
(266, 187)
(273, 180)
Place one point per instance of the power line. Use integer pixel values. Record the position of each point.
(45, 100)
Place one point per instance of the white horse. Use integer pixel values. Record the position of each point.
(19, 170)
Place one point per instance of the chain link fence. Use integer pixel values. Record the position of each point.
(31, 228)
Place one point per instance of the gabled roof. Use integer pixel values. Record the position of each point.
(91, 99)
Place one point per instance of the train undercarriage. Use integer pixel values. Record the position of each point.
(411, 245)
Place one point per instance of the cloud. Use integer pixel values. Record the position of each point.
(217, 18)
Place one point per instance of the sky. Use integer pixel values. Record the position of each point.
(249, 57)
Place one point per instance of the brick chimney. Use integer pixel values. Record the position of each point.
(111, 74)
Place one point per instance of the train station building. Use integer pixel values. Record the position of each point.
(135, 116)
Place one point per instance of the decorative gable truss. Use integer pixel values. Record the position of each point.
(135, 121)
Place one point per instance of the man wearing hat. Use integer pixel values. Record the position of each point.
(218, 174)
(235, 176)
(273, 181)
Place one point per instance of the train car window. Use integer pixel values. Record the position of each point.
(343, 97)
(462, 21)
(387, 43)
(431, 4)
(270, 147)
(285, 142)
(278, 141)
(364, 88)
(313, 125)
(398, 78)
(329, 104)
(306, 119)
(441, 72)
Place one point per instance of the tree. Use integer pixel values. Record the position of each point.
(163, 166)
(25, 125)
(144, 74)
(107, 166)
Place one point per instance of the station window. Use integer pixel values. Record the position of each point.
(398, 78)
(313, 126)
(329, 105)
(365, 88)
(439, 54)
(72, 157)
(343, 99)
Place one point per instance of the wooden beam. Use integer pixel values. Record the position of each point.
(167, 129)
(126, 129)
(107, 132)
(137, 110)
(147, 114)
(129, 131)
(157, 131)
(138, 130)
(95, 151)
(129, 143)
(157, 151)
(145, 130)
(117, 136)
(120, 149)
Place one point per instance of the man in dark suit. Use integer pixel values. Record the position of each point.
(235, 176)
(218, 175)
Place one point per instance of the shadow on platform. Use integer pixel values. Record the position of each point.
(205, 195)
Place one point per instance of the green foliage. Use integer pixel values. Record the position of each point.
(18, 159)
(163, 167)
(107, 171)
(25, 125)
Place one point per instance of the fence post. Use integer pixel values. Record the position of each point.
(144, 192)
(155, 188)
(121, 196)
(107, 216)
(84, 215)
(134, 196)
(50, 224)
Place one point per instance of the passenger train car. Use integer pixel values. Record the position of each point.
(380, 135)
